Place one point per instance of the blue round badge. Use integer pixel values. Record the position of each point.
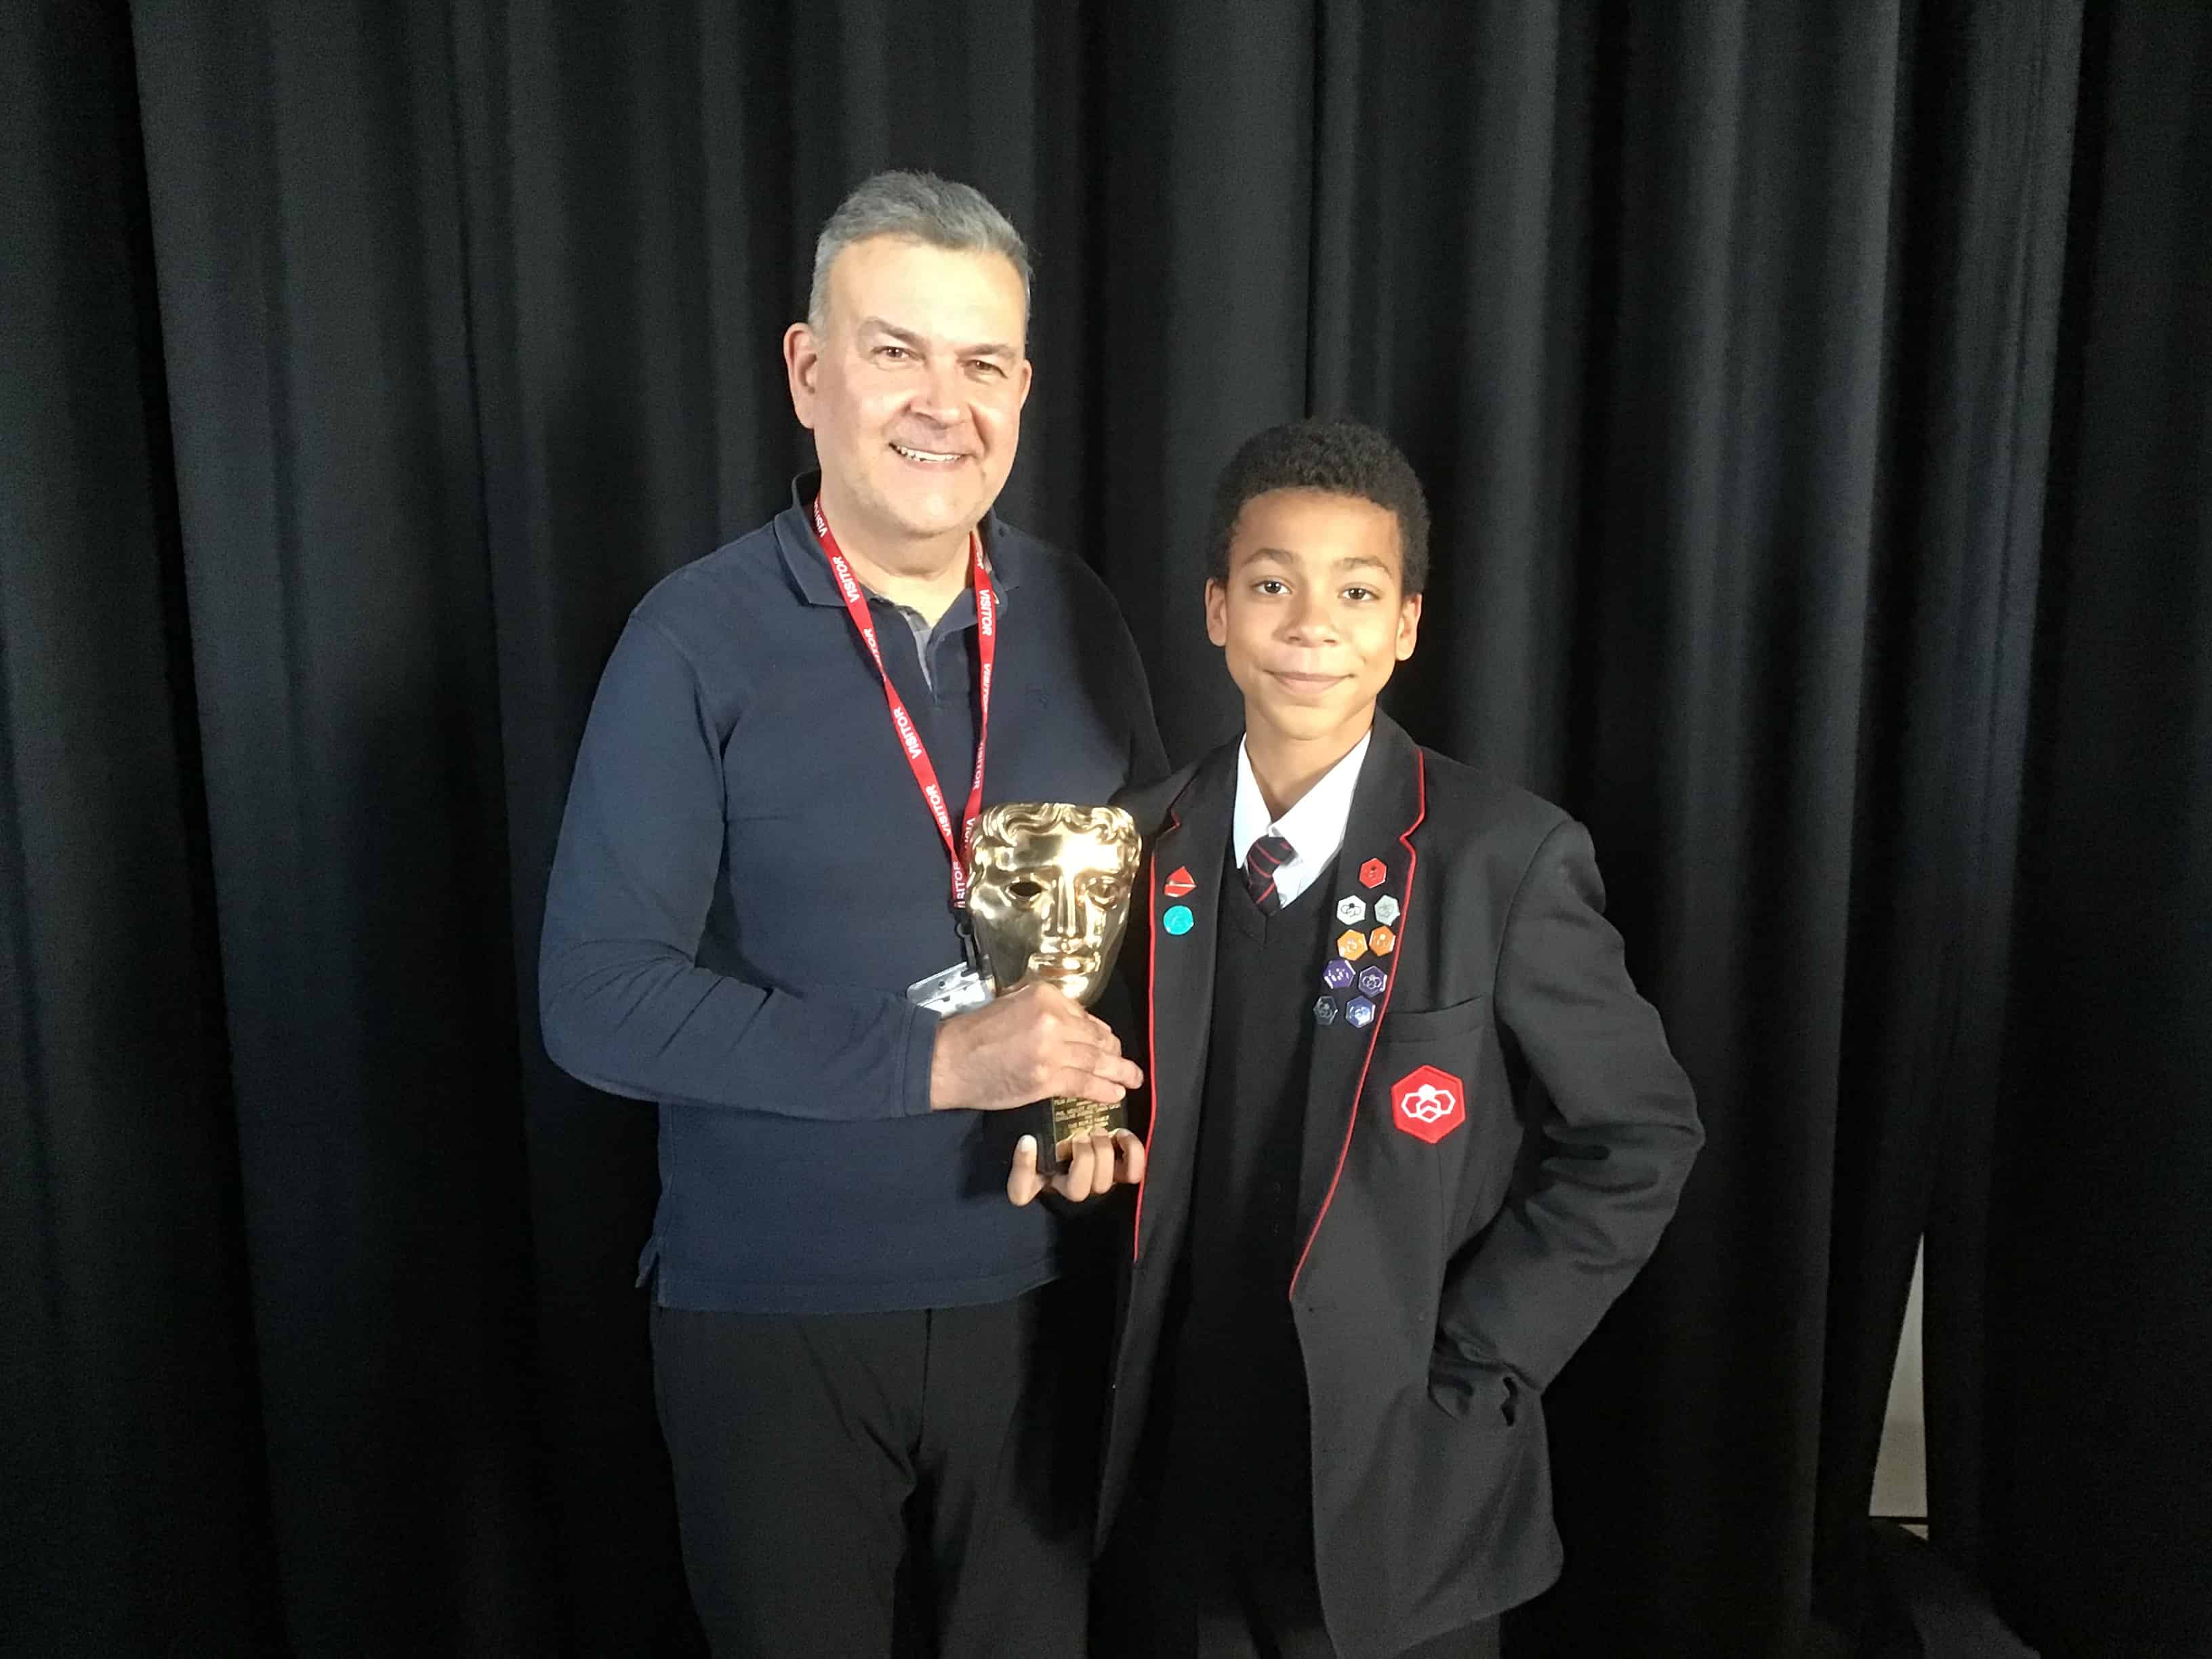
(1178, 920)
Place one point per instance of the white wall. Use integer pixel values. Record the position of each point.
(1900, 1476)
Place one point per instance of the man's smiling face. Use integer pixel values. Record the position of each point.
(913, 387)
(1313, 616)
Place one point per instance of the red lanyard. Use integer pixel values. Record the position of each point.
(917, 757)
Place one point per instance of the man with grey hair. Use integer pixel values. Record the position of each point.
(866, 1360)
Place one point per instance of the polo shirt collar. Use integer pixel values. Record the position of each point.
(809, 572)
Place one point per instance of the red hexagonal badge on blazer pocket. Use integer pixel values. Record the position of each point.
(1427, 1104)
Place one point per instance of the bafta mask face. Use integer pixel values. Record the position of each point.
(1049, 893)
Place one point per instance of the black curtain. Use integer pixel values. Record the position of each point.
(1813, 402)
(2070, 1416)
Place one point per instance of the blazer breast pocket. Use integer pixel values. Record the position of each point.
(1429, 1075)
(1459, 1019)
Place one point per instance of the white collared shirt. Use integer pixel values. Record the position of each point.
(1314, 827)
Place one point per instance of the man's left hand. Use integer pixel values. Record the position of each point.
(1095, 1163)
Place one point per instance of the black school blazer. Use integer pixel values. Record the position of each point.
(1490, 1154)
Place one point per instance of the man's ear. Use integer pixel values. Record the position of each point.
(802, 360)
(1409, 625)
(1217, 610)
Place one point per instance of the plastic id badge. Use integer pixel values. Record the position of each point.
(954, 991)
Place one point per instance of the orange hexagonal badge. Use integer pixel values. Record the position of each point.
(1381, 941)
(1427, 1104)
(1351, 944)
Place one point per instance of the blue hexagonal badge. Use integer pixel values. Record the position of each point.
(1360, 1011)
(1337, 975)
(1371, 982)
(1178, 920)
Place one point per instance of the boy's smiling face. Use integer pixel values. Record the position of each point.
(1313, 616)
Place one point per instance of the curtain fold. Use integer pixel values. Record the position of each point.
(2071, 1453)
(1974, 301)
(308, 246)
(131, 1455)
(1813, 405)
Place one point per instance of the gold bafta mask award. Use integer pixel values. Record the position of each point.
(1048, 900)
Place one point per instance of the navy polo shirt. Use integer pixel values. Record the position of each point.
(747, 881)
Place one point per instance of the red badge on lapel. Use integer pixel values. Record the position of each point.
(1178, 884)
(1373, 873)
(1427, 1104)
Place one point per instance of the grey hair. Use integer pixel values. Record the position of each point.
(922, 208)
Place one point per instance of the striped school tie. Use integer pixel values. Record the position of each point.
(1268, 854)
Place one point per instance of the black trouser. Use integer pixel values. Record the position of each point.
(1193, 1580)
(809, 1450)
(1212, 1557)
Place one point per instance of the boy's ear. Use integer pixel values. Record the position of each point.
(1409, 625)
(1217, 610)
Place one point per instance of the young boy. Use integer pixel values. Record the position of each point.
(1412, 1128)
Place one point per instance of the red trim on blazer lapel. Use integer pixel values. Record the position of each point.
(1151, 1024)
(1375, 1033)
